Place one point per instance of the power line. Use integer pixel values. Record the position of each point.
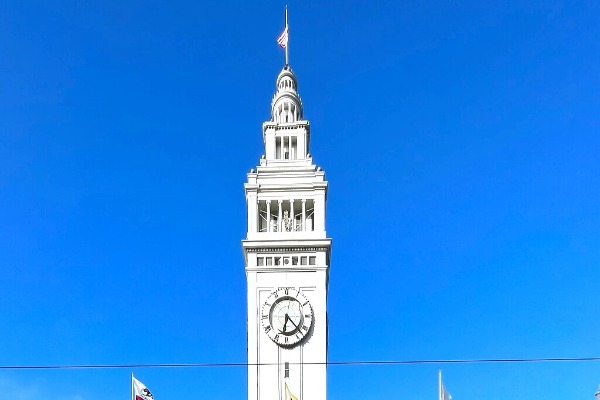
(332, 363)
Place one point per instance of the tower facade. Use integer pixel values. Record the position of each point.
(286, 254)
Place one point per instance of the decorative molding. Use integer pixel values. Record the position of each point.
(284, 249)
(286, 125)
(283, 268)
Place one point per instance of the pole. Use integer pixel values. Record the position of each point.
(440, 384)
(288, 40)
(132, 386)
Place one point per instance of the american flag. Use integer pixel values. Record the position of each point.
(282, 40)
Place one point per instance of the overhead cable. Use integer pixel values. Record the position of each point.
(331, 363)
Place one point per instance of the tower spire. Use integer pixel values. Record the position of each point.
(286, 255)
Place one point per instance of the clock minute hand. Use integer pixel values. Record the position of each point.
(296, 326)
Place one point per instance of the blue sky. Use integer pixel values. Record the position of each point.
(460, 141)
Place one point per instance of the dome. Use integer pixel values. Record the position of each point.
(286, 106)
(286, 80)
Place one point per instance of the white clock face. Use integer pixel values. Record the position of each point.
(287, 316)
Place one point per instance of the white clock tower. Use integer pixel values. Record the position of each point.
(286, 253)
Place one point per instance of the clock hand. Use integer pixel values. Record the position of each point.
(285, 321)
(292, 322)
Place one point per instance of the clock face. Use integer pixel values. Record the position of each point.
(286, 316)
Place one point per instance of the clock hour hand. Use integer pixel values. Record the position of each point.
(285, 321)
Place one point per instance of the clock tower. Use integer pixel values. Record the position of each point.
(286, 252)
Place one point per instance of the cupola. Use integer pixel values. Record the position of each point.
(286, 106)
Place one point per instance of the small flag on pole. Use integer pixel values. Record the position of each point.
(140, 392)
(282, 40)
(444, 395)
(288, 394)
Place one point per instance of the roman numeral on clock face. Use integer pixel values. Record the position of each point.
(267, 329)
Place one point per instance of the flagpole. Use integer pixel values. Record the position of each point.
(440, 384)
(288, 42)
(132, 386)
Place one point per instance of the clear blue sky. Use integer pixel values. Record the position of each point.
(461, 143)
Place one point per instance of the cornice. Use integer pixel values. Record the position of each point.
(287, 269)
(285, 249)
(285, 245)
(286, 126)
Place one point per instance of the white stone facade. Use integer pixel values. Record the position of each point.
(286, 247)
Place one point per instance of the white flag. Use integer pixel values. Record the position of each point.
(444, 395)
(140, 392)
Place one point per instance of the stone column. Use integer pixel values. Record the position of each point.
(304, 214)
(268, 215)
(252, 210)
(280, 216)
(255, 216)
(319, 213)
(292, 219)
